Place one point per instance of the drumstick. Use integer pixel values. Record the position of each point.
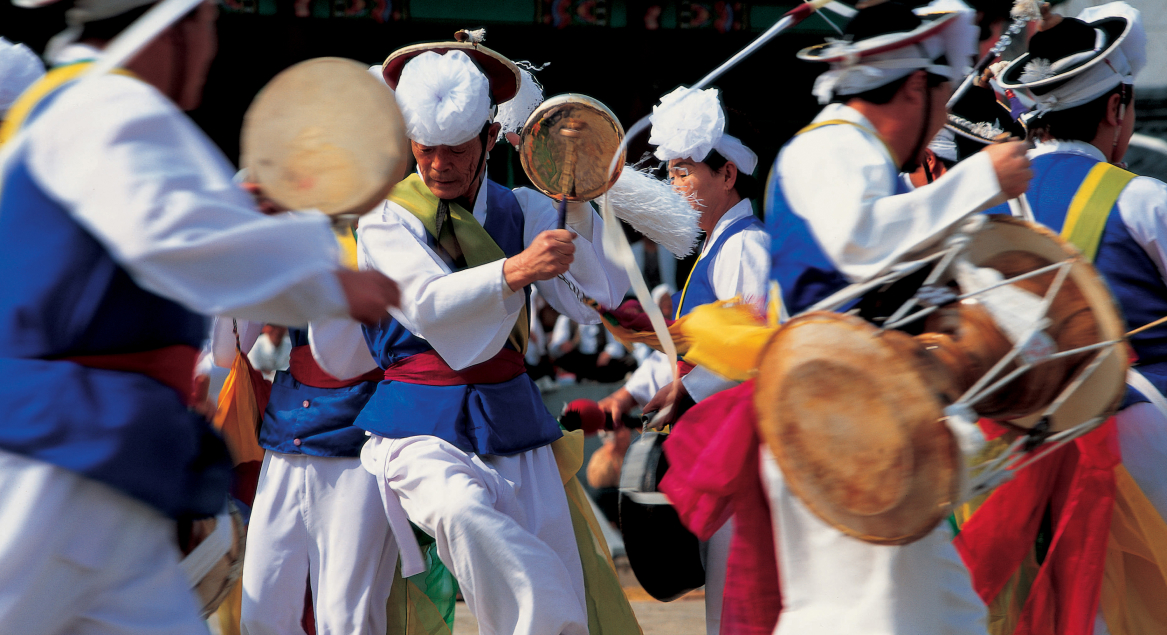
(1147, 326)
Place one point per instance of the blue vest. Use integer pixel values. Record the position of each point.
(324, 427)
(803, 271)
(500, 419)
(699, 287)
(62, 295)
(1130, 273)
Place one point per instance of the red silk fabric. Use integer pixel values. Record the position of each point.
(1076, 484)
(684, 367)
(429, 369)
(171, 365)
(713, 475)
(305, 370)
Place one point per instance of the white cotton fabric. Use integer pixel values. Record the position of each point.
(445, 99)
(859, 73)
(19, 69)
(943, 145)
(742, 269)
(832, 583)
(841, 181)
(502, 526)
(84, 11)
(176, 204)
(467, 315)
(79, 557)
(715, 559)
(653, 373)
(688, 124)
(320, 519)
(1121, 66)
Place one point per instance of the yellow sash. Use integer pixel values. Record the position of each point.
(28, 100)
(478, 248)
(1091, 206)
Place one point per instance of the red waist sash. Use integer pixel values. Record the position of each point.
(684, 367)
(171, 365)
(429, 369)
(305, 370)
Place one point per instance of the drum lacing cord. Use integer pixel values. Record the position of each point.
(960, 416)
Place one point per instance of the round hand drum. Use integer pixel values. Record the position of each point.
(855, 414)
(213, 557)
(325, 134)
(567, 145)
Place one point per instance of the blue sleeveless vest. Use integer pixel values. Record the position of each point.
(1132, 276)
(803, 271)
(62, 295)
(699, 287)
(325, 426)
(500, 419)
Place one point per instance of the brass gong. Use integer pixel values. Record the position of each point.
(567, 145)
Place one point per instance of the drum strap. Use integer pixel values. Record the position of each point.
(29, 99)
(836, 122)
(476, 244)
(1091, 207)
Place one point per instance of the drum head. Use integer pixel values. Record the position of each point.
(567, 145)
(857, 428)
(1103, 390)
(325, 134)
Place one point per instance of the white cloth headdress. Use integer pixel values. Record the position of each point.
(19, 68)
(513, 114)
(688, 124)
(854, 70)
(1084, 82)
(445, 99)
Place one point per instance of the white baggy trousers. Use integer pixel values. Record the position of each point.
(80, 558)
(501, 524)
(317, 519)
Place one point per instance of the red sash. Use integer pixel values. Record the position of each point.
(172, 365)
(429, 369)
(305, 370)
(684, 367)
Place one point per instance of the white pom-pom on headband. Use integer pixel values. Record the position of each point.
(445, 99)
(689, 124)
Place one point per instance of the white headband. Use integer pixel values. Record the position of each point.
(19, 69)
(444, 99)
(859, 73)
(689, 124)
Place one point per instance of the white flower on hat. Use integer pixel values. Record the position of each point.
(1037, 70)
(445, 99)
(687, 124)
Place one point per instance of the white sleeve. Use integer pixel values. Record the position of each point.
(742, 267)
(339, 347)
(466, 315)
(702, 383)
(591, 271)
(223, 339)
(842, 183)
(1143, 205)
(560, 335)
(655, 373)
(140, 177)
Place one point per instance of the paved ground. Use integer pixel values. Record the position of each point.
(682, 617)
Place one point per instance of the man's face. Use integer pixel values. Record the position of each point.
(704, 187)
(449, 171)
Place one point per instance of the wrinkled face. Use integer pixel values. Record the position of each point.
(449, 171)
(708, 191)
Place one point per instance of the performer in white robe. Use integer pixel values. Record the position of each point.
(120, 225)
(460, 435)
(839, 211)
